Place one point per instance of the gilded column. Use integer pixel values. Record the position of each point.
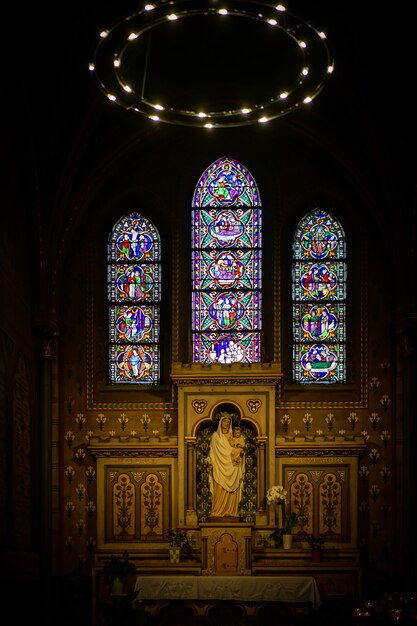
(261, 475)
(191, 515)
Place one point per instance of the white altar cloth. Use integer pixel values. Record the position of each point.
(301, 589)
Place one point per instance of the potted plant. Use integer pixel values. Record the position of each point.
(316, 544)
(290, 520)
(178, 539)
(277, 496)
(117, 569)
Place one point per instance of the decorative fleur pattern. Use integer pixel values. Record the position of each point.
(90, 508)
(364, 472)
(285, 421)
(353, 419)
(69, 507)
(80, 419)
(69, 473)
(385, 365)
(101, 420)
(166, 420)
(330, 420)
(91, 544)
(90, 472)
(80, 527)
(374, 419)
(374, 492)
(385, 401)
(69, 436)
(374, 384)
(123, 420)
(364, 508)
(145, 419)
(385, 436)
(385, 473)
(374, 456)
(80, 455)
(307, 420)
(80, 490)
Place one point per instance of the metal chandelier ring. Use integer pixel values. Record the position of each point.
(306, 51)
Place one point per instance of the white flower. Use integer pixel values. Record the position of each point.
(277, 494)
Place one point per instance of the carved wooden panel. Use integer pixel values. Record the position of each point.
(135, 501)
(322, 491)
(226, 550)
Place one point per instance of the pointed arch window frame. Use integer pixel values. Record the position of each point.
(134, 296)
(319, 291)
(226, 276)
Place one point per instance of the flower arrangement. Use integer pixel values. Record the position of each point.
(278, 495)
(177, 537)
(119, 566)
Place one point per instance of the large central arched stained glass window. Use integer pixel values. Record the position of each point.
(226, 266)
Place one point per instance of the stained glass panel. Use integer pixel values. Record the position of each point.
(226, 265)
(319, 293)
(134, 292)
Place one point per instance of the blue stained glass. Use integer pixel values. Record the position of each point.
(319, 236)
(227, 348)
(134, 323)
(226, 310)
(134, 363)
(319, 273)
(319, 322)
(237, 228)
(226, 265)
(134, 282)
(319, 363)
(134, 292)
(226, 183)
(319, 281)
(134, 238)
(239, 269)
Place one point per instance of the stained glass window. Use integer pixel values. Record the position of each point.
(226, 265)
(319, 300)
(134, 286)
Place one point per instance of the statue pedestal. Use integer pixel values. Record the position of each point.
(226, 549)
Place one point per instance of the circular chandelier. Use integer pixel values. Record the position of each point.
(205, 64)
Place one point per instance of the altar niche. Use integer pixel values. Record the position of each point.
(242, 442)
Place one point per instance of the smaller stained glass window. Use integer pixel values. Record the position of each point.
(134, 285)
(319, 300)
